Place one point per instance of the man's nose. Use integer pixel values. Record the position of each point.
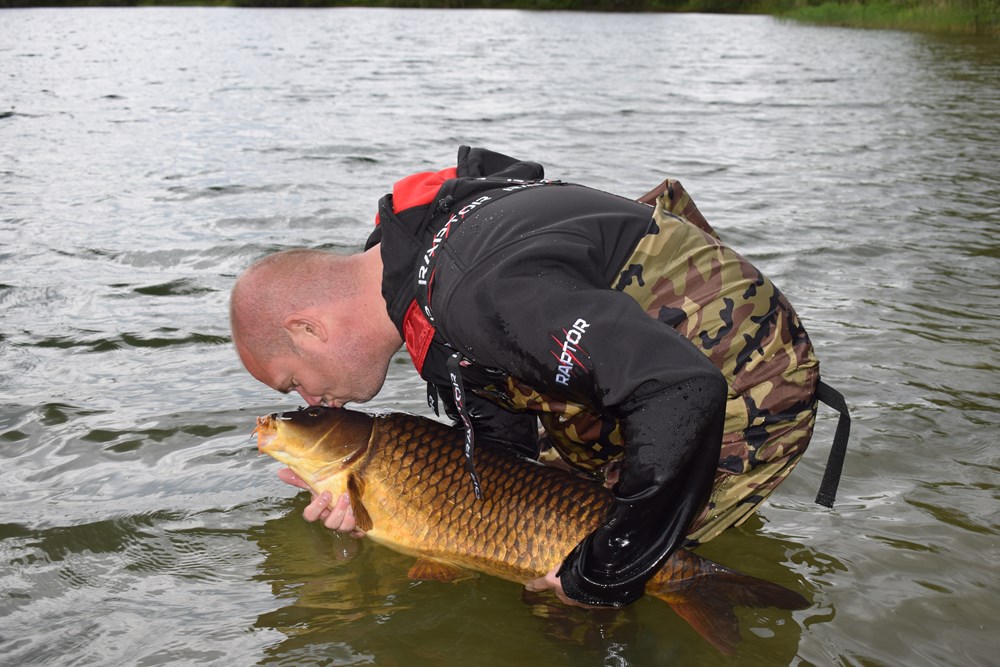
(309, 398)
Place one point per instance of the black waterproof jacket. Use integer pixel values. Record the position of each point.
(514, 275)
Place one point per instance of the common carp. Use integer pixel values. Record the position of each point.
(409, 490)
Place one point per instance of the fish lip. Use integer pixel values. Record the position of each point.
(266, 432)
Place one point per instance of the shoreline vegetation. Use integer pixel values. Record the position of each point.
(942, 16)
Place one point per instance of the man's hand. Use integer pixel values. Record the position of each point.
(551, 582)
(339, 517)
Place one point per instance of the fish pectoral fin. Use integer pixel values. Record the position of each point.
(356, 490)
(426, 569)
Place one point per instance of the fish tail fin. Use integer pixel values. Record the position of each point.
(707, 598)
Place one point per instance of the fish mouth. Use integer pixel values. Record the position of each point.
(266, 432)
(268, 442)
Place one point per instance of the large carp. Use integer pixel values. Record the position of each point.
(410, 491)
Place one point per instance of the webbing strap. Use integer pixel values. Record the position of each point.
(432, 398)
(455, 373)
(835, 463)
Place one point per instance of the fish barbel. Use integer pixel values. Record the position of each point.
(409, 490)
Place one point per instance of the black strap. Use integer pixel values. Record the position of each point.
(424, 279)
(455, 373)
(831, 477)
(432, 398)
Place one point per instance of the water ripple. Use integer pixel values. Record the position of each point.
(148, 155)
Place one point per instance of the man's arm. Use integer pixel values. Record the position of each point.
(599, 347)
(672, 440)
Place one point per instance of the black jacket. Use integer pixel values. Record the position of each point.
(520, 284)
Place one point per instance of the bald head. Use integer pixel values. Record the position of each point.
(277, 286)
(315, 323)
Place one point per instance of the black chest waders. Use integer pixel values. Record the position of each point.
(422, 296)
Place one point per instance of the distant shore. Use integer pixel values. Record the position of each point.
(948, 16)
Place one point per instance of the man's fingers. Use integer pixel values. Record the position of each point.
(542, 583)
(288, 476)
(316, 508)
(341, 515)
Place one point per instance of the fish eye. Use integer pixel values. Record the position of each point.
(314, 411)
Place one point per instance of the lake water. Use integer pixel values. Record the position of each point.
(148, 155)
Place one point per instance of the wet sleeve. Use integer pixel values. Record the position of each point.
(599, 347)
(667, 475)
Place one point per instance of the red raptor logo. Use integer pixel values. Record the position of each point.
(567, 349)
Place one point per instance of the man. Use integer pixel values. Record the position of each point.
(655, 358)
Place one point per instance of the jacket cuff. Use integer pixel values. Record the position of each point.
(577, 586)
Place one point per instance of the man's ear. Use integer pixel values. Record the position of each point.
(305, 329)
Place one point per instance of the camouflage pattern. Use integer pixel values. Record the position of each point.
(584, 440)
(683, 276)
(676, 200)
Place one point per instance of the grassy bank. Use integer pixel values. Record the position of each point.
(956, 16)
(967, 16)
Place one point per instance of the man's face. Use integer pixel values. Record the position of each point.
(323, 375)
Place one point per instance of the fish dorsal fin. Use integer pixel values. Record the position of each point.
(426, 569)
(356, 490)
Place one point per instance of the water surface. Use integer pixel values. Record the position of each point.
(148, 155)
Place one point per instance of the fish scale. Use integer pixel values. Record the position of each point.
(411, 492)
(487, 533)
(552, 507)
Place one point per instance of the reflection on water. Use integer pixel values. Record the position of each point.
(341, 598)
(148, 155)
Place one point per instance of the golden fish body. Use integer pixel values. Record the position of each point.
(410, 491)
